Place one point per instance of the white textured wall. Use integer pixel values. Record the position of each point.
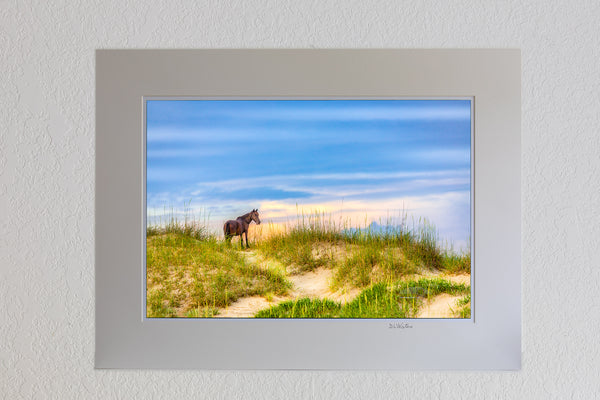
(47, 185)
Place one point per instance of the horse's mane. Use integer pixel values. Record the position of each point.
(245, 215)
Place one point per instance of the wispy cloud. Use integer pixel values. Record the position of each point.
(289, 180)
(344, 184)
(387, 113)
(329, 110)
(178, 134)
(185, 152)
(319, 187)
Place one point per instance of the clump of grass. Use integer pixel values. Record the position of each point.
(381, 300)
(456, 263)
(187, 226)
(395, 266)
(317, 227)
(372, 254)
(435, 286)
(358, 268)
(153, 230)
(158, 303)
(202, 312)
(302, 308)
(296, 248)
(185, 274)
(463, 307)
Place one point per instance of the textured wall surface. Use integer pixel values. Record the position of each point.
(47, 185)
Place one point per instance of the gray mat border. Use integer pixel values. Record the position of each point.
(124, 339)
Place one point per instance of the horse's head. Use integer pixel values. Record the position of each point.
(254, 215)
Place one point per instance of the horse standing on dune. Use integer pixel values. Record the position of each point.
(239, 226)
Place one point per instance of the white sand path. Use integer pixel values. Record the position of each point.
(313, 284)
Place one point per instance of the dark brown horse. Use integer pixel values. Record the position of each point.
(240, 226)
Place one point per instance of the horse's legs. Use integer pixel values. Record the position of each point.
(247, 239)
(242, 240)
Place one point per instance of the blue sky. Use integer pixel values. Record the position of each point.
(365, 159)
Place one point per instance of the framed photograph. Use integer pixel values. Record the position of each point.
(308, 209)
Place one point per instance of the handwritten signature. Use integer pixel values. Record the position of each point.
(399, 325)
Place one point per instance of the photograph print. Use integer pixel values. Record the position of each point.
(320, 208)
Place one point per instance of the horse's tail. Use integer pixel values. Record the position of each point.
(227, 229)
